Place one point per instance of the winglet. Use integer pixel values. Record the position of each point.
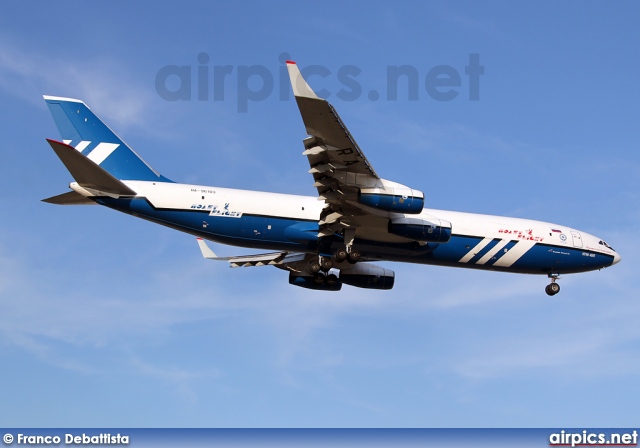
(300, 86)
(207, 252)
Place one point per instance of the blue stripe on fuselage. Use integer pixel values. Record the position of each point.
(268, 232)
(502, 252)
(486, 249)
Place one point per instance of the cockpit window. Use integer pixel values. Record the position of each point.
(603, 243)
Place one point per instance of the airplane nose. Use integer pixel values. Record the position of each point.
(616, 258)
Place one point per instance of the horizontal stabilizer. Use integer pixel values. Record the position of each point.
(87, 173)
(270, 259)
(70, 198)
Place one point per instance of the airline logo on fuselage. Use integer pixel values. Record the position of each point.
(527, 235)
(215, 210)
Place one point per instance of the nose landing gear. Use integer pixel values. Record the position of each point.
(553, 288)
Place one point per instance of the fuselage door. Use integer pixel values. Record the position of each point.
(577, 239)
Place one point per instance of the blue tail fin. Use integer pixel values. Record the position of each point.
(82, 129)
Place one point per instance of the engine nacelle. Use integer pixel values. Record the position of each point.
(399, 199)
(370, 276)
(432, 230)
(309, 282)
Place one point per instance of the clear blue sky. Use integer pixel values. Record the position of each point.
(106, 320)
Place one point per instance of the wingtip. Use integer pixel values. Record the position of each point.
(205, 249)
(290, 62)
(301, 88)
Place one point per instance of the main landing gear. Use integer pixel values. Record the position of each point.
(347, 253)
(320, 268)
(325, 264)
(553, 288)
(322, 277)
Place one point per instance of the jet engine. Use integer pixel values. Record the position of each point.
(432, 230)
(370, 276)
(398, 199)
(361, 275)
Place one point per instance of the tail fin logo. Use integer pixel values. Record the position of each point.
(98, 153)
(102, 151)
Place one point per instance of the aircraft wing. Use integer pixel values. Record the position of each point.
(338, 165)
(270, 259)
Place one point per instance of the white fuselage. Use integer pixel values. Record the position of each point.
(284, 222)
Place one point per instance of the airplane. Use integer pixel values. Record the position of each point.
(323, 241)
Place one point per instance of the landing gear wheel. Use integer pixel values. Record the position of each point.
(552, 289)
(314, 267)
(331, 279)
(341, 254)
(354, 256)
(326, 264)
(319, 278)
